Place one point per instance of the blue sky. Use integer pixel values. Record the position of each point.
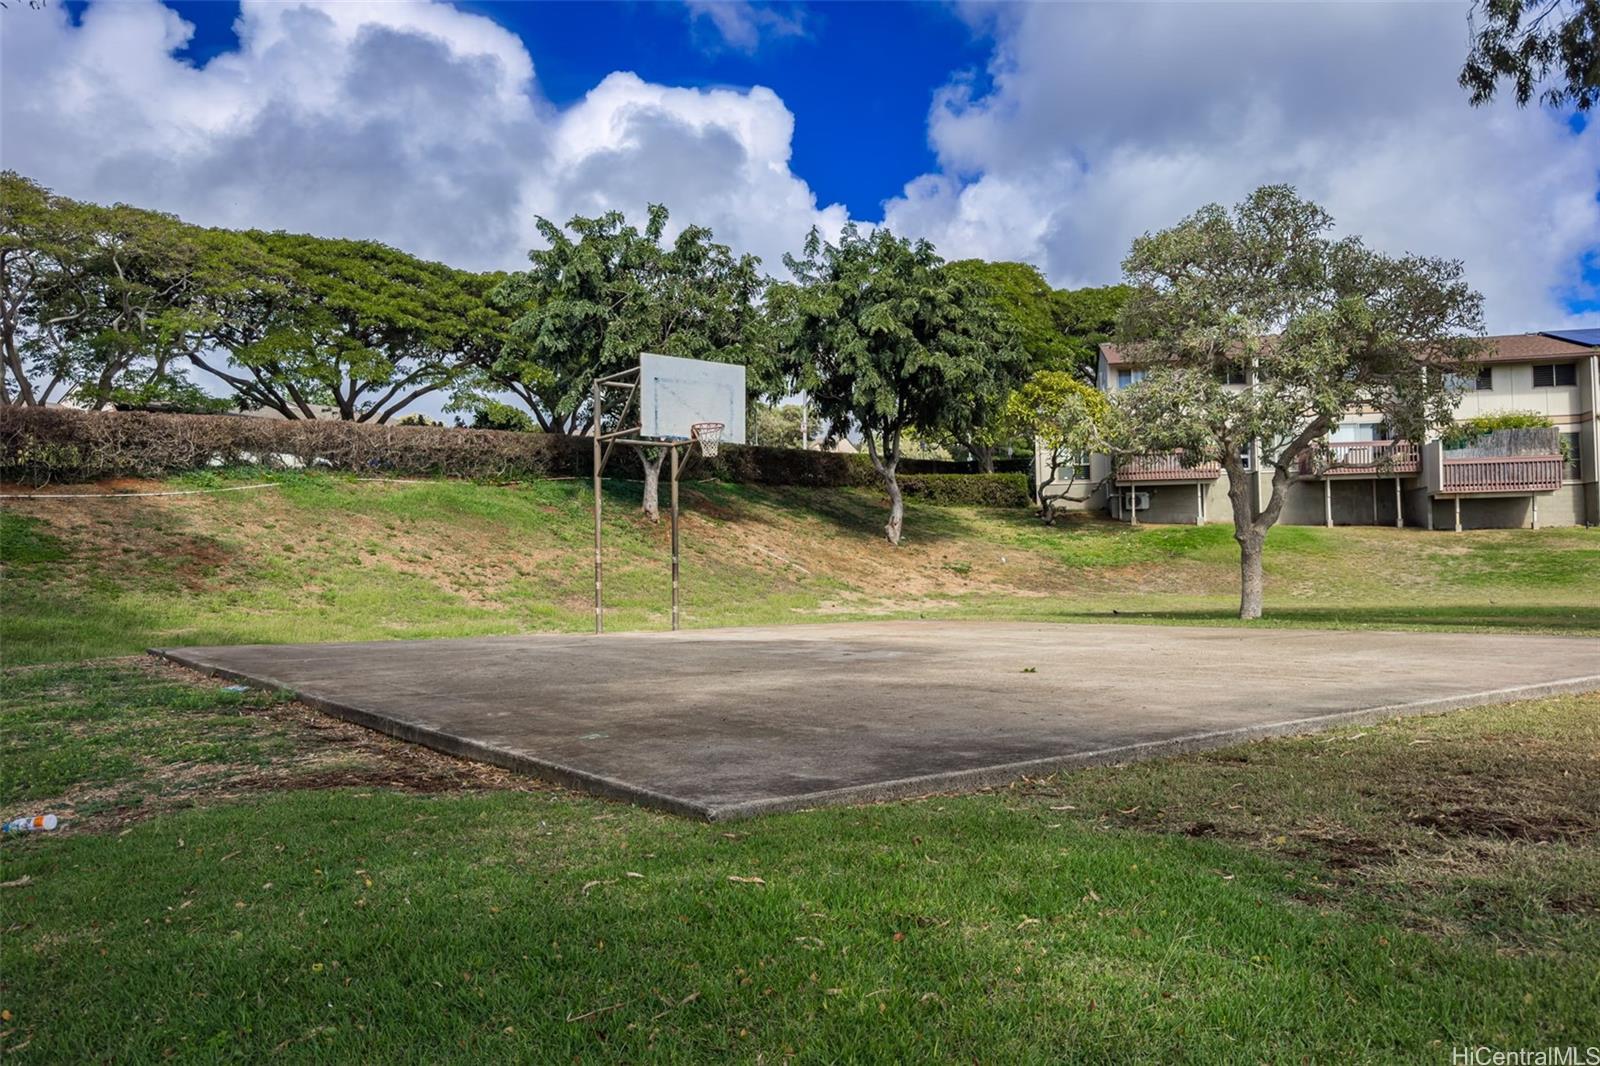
(1047, 133)
(878, 63)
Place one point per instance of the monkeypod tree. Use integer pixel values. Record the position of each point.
(1066, 419)
(884, 336)
(45, 240)
(1320, 326)
(97, 304)
(357, 326)
(1086, 319)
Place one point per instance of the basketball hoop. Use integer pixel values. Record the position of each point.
(709, 437)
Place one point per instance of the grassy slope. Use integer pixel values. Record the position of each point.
(327, 558)
(1379, 894)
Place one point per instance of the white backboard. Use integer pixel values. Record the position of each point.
(676, 393)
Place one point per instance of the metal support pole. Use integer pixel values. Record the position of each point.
(1458, 513)
(1133, 505)
(599, 609)
(1327, 502)
(1399, 511)
(1199, 503)
(1374, 501)
(1533, 501)
(672, 458)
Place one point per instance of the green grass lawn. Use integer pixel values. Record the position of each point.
(242, 878)
(325, 557)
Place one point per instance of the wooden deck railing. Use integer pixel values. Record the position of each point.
(1362, 458)
(1515, 473)
(1163, 466)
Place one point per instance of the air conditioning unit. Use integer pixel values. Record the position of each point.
(1137, 501)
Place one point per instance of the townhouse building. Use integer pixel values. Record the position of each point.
(1364, 477)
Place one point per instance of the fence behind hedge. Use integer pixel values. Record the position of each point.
(58, 444)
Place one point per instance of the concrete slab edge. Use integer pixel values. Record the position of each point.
(879, 791)
(451, 744)
(1005, 773)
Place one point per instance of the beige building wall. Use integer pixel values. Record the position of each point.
(1354, 500)
(1514, 391)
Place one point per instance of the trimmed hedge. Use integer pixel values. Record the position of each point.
(42, 444)
(973, 490)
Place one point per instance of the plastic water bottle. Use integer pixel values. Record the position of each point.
(31, 825)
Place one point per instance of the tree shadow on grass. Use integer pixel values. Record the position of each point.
(1571, 620)
(855, 511)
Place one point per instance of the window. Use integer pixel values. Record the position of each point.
(1233, 375)
(1572, 451)
(1128, 377)
(1554, 374)
(1357, 431)
(1244, 456)
(1076, 467)
(1482, 381)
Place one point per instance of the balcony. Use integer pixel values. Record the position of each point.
(1163, 467)
(1502, 474)
(1362, 458)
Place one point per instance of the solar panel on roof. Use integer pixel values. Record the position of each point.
(1590, 337)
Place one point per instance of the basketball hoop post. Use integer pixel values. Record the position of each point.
(702, 389)
(672, 458)
(599, 608)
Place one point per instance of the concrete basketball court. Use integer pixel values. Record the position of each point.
(726, 723)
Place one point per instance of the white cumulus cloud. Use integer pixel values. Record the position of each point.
(1104, 121)
(413, 123)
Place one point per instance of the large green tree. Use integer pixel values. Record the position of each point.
(1525, 42)
(884, 336)
(1086, 318)
(601, 292)
(1022, 302)
(365, 329)
(1320, 326)
(97, 304)
(44, 241)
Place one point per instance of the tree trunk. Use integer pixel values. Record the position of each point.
(983, 455)
(897, 509)
(1250, 577)
(1047, 503)
(1248, 532)
(13, 363)
(650, 459)
(886, 466)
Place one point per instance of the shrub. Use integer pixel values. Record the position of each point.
(41, 444)
(1464, 433)
(972, 490)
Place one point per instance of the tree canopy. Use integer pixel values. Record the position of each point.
(1320, 327)
(884, 336)
(602, 291)
(353, 325)
(1086, 319)
(99, 304)
(1526, 42)
(1068, 420)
